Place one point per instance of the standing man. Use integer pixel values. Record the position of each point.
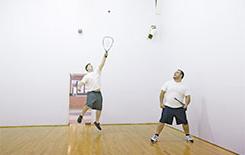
(174, 99)
(92, 85)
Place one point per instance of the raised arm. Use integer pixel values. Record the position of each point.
(81, 83)
(162, 93)
(103, 61)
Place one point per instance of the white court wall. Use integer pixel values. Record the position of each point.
(40, 46)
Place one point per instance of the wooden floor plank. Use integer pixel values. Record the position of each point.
(112, 140)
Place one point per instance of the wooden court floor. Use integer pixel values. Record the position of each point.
(112, 140)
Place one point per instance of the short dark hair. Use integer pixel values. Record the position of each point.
(182, 73)
(86, 67)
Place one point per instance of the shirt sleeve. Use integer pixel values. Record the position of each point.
(164, 86)
(187, 91)
(98, 70)
(84, 79)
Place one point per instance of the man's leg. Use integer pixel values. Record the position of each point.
(186, 128)
(159, 129)
(187, 133)
(98, 107)
(96, 123)
(166, 117)
(84, 110)
(98, 113)
(181, 118)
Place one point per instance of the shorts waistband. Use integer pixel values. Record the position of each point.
(96, 91)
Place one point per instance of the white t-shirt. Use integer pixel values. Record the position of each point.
(173, 90)
(92, 80)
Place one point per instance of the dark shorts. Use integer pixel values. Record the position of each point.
(169, 113)
(94, 100)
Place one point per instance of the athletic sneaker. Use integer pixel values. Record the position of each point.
(154, 138)
(189, 139)
(97, 125)
(79, 119)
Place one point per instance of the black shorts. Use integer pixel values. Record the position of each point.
(94, 100)
(169, 113)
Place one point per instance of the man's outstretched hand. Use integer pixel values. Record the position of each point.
(106, 54)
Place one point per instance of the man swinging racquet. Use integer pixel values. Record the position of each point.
(92, 84)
